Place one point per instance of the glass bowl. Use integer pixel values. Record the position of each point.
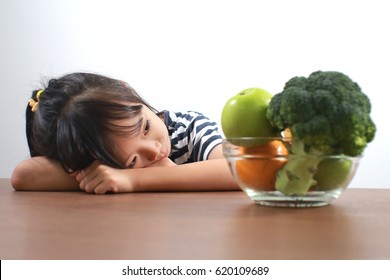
(271, 176)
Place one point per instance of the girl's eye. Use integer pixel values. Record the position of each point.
(132, 164)
(147, 126)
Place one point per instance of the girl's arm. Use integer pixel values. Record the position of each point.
(209, 175)
(42, 174)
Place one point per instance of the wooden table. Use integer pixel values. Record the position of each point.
(195, 225)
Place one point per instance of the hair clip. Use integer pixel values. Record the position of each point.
(34, 104)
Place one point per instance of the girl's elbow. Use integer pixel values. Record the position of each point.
(17, 182)
(20, 177)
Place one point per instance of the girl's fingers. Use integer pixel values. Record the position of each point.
(93, 185)
(85, 172)
(100, 189)
(93, 178)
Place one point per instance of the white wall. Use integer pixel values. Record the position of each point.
(193, 54)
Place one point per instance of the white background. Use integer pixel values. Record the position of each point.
(194, 55)
(109, 269)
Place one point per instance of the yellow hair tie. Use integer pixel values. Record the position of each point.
(34, 104)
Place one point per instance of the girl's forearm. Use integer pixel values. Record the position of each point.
(42, 174)
(210, 175)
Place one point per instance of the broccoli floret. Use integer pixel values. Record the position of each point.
(327, 113)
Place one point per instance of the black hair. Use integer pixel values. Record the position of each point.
(76, 117)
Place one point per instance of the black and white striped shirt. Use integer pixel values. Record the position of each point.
(193, 136)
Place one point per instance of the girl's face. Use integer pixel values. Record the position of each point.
(151, 144)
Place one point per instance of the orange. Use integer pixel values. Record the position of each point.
(259, 173)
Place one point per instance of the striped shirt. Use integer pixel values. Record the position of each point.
(193, 136)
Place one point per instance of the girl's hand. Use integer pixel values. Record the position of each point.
(99, 179)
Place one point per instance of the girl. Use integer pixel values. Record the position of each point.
(94, 133)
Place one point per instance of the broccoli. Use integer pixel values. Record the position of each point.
(327, 113)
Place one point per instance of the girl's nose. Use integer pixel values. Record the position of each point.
(151, 150)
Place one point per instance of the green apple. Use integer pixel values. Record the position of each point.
(244, 115)
(332, 173)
